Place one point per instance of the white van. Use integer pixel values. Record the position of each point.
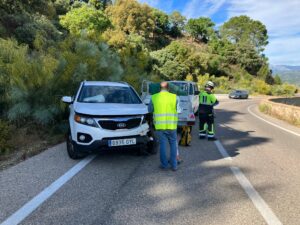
(189, 100)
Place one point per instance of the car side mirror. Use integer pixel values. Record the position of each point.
(197, 92)
(67, 99)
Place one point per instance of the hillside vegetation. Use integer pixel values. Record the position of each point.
(289, 74)
(48, 47)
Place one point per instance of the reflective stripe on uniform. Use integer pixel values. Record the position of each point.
(211, 132)
(165, 114)
(165, 122)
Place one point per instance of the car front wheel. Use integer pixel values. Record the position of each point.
(72, 150)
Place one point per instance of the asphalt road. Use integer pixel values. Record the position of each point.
(258, 182)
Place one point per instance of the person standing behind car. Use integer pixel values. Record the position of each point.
(165, 108)
(207, 101)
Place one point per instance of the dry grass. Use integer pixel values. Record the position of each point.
(25, 143)
(289, 113)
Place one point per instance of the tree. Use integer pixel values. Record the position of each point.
(243, 29)
(200, 29)
(277, 79)
(171, 61)
(134, 55)
(177, 23)
(249, 59)
(266, 74)
(132, 17)
(86, 18)
(162, 29)
(98, 4)
(44, 7)
(62, 6)
(162, 24)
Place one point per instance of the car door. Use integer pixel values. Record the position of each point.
(193, 97)
(145, 95)
(196, 97)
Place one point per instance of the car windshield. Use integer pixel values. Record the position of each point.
(179, 88)
(239, 92)
(108, 94)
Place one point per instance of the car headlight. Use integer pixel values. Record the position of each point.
(85, 120)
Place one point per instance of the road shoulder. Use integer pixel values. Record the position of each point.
(254, 110)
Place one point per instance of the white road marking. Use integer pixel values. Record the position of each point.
(38, 200)
(273, 124)
(257, 200)
(222, 150)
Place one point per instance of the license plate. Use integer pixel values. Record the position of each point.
(122, 142)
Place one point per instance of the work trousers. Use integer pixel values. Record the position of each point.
(168, 136)
(206, 125)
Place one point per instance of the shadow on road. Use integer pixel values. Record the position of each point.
(235, 140)
(129, 189)
(202, 191)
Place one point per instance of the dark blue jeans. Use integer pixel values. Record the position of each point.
(171, 137)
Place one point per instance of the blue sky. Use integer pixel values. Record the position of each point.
(281, 17)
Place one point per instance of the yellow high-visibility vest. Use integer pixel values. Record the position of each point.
(165, 112)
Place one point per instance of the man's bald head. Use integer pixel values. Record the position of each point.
(164, 85)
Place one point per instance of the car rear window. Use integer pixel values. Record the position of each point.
(179, 88)
(108, 94)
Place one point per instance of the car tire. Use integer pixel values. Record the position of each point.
(72, 150)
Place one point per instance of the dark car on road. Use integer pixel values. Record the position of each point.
(239, 94)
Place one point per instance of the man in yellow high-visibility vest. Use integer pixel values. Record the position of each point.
(165, 108)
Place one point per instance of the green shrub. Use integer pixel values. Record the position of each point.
(260, 87)
(86, 18)
(202, 80)
(283, 90)
(222, 84)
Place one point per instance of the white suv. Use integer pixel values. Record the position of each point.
(107, 115)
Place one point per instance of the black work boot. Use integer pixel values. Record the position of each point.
(212, 139)
(202, 136)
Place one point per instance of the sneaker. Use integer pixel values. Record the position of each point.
(162, 167)
(178, 161)
(174, 169)
(201, 137)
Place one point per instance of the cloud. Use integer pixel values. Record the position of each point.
(282, 21)
(280, 17)
(284, 50)
(197, 8)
